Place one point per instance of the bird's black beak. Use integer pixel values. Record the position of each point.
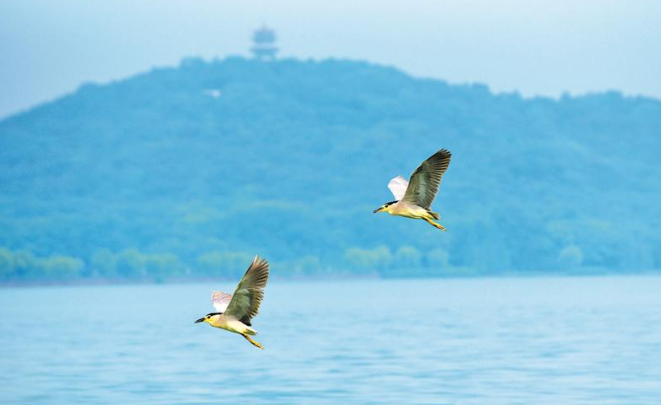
(200, 320)
(378, 210)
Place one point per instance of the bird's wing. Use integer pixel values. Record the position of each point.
(220, 300)
(425, 180)
(250, 291)
(398, 187)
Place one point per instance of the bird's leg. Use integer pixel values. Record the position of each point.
(435, 224)
(252, 341)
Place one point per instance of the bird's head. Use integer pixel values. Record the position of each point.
(208, 317)
(384, 207)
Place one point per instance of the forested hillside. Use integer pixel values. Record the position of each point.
(190, 171)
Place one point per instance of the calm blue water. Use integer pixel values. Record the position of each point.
(475, 341)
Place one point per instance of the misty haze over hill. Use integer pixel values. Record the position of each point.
(190, 171)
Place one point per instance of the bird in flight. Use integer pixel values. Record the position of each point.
(413, 198)
(234, 312)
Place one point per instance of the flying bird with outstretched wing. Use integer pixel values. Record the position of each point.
(413, 198)
(235, 312)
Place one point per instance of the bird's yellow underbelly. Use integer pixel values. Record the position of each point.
(233, 325)
(411, 212)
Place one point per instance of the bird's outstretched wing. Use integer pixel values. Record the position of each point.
(220, 300)
(425, 180)
(398, 187)
(250, 291)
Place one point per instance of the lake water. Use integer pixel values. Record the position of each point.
(446, 341)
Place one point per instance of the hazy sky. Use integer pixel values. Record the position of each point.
(48, 48)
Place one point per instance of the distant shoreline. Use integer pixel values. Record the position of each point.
(317, 278)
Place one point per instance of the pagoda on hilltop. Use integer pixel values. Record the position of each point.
(263, 44)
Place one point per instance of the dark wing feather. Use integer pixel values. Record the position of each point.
(249, 293)
(425, 180)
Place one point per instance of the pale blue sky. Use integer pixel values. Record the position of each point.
(48, 48)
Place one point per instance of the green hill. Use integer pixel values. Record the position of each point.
(190, 171)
